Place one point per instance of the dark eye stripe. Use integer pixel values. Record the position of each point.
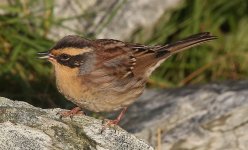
(73, 61)
(64, 57)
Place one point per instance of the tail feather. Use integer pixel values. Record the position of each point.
(184, 44)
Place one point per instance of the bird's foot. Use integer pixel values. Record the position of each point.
(114, 122)
(70, 113)
(109, 123)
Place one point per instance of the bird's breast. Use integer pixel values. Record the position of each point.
(95, 97)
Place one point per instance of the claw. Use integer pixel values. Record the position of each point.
(115, 121)
(70, 113)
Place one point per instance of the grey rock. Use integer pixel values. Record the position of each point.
(211, 117)
(116, 19)
(136, 13)
(25, 127)
(70, 14)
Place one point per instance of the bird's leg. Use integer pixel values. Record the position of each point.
(71, 113)
(115, 121)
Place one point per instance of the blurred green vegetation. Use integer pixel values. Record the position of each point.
(222, 59)
(24, 33)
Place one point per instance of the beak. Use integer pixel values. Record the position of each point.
(45, 55)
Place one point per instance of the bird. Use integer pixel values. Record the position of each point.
(106, 75)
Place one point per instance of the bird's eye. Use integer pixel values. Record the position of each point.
(64, 57)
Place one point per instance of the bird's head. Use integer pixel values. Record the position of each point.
(70, 53)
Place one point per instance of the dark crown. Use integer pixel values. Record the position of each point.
(72, 41)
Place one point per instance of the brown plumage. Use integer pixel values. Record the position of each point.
(105, 74)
